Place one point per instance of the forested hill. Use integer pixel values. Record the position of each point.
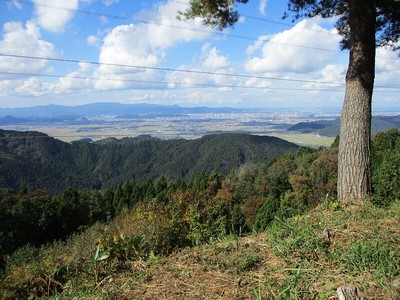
(37, 161)
(332, 127)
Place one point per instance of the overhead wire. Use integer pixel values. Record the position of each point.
(165, 82)
(225, 34)
(169, 70)
(162, 68)
(220, 33)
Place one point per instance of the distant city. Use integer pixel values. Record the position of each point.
(101, 120)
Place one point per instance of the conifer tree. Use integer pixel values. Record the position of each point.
(364, 25)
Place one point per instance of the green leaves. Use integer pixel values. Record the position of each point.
(215, 13)
(99, 257)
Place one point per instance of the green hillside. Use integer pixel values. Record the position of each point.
(37, 161)
(196, 238)
(332, 127)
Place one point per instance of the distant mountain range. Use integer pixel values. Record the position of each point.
(332, 127)
(96, 109)
(39, 161)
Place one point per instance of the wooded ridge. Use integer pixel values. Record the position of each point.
(37, 161)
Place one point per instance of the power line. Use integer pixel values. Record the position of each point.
(164, 82)
(225, 34)
(170, 69)
(180, 70)
(181, 83)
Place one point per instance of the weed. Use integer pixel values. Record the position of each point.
(378, 258)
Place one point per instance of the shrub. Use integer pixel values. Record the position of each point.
(266, 213)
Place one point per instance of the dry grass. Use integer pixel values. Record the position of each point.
(231, 269)
(290, 260)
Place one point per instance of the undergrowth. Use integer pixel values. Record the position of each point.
(294, 258)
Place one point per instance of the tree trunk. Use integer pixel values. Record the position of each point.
(354, 171)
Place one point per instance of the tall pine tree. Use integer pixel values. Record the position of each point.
(363, 25)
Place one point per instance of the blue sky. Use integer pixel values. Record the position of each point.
(74, 52)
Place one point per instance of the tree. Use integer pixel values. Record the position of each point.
(363, 25)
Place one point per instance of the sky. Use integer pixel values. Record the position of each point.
(73, 52)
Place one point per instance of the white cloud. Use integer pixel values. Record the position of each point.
(258, 83)
(51, 18)
(34, 87)
(144, 44)
(263, 4)
(213, 61)
(331, 73)
(20, 40)
(93, 40)
(257, 45)
(109, 2)
(387, 67)
(74, 81)
(280, 55)
(26, 41)
(210, 61)
(386, 60)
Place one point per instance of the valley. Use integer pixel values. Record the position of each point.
(179, 126)
(97, 121)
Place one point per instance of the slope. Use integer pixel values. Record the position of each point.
(332, 127)
(38, 161)
(292, 259)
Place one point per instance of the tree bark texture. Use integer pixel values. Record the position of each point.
(354, 170)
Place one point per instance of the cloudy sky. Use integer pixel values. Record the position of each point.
(74, 52)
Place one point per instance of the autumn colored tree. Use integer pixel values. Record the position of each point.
(363, 25)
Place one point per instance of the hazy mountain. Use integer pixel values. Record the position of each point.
(332, 127)
(112, 108)
(39, 161)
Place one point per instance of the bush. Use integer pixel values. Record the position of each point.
(266, 213)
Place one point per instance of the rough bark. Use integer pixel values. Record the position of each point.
(354, 171)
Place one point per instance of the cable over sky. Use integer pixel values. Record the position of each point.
(75, 52)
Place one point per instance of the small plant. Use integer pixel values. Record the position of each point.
(337, 205)
(98, 258)
(186, 273)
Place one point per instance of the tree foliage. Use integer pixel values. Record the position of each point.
(363, 26)
(52, 164)
(140, 220)
(224, 13)
(387, 16)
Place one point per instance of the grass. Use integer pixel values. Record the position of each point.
(290, 260)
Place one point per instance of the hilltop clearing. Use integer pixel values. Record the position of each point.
(292, 259)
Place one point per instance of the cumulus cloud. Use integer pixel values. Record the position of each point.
(144, 44)
(387, 67)
(257, 45)
(258, 83)
(74, 81)
(211, 61)
(24, 40)
(53, 19)
(33, 86)
(297, 50)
